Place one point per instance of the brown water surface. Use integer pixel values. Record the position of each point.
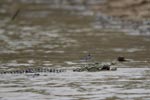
(57, 38)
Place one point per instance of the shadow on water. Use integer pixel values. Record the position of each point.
(42, 36)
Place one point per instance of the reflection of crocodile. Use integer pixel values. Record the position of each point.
(87, 67)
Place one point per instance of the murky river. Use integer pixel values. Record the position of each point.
(46, 37)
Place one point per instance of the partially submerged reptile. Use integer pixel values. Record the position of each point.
(95, 67)
(88, 67)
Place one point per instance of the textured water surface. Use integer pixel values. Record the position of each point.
(126, 83)
(46, 37)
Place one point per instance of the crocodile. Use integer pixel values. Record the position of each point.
(88, 67)
(33, 70)
(91, 67)
(95, 67)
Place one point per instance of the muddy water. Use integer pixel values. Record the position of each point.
(57, 38)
